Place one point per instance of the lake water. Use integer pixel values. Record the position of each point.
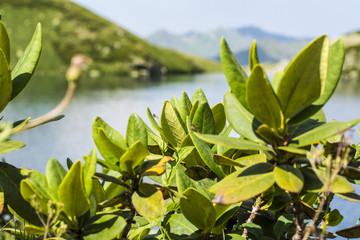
(114, 101)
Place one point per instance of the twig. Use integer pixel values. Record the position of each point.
(254, 211)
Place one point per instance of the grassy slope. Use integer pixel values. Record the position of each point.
(69, 29)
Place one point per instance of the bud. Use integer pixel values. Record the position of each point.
(78, 64)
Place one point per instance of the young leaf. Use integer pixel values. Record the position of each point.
(172, 125)
(289, 178)
(4, 42)
(148, 201)
(25, 67)
(205, 152)
(5, 82)
(55, 174)
(136, 130)
(218, 113)
(234, 73)
(243, 188)
(240, 119)
(89, 171)
(133, 157)
(198, 209)
(262, 100)
(335, 64)
(185, 106)
(203, 119)
(199, 95)
(10, 145)
(253, 56)
(72, 193)
(306, 71)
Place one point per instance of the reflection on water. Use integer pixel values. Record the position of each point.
(114, 100)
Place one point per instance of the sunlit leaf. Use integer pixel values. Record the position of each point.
(55, 174)
(218, 113)
(133, 157)
(4, 42)
(103, 226)
(253, 56)
(185, 106)
(203, 119)
(148, 201)
(136, 130)
(288, 178)
(5, 81)
(199, 95)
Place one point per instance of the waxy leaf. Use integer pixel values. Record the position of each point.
(199, 95)
(234, 73)
(103, 226)
(306, 71)
(185, 106)
(205, 152)
(179, 226)
(351, 232)
(72, 193)
(172, 125)
(289, 178)
(252, 159)
(322, 132)
(5, 82)
(262, 100)
(335, 64)
(282, 223)
(26, 65)
(136, 130)
(198, 209)
(148, 201)
(153, 123)
(89, 171)
(10, 145)
(276, 80)
(243, 188)
(239, 118)
(55, 174)
(253, 56)
(132, 158)
(218, 113)
(350, 196)
(4, 42)
(231, 142)
(203, 119)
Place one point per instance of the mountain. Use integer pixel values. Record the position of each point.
(272, 47)
(69, 29)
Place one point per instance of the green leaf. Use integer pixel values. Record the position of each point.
(10, 179)
(153, 123)
(306, 71)
(224, 161)
(333, 218)
(179, 226)
(55, 174)
(110, 143)
(218, 113)
(136, 130)
(289, 178)
(199, 95)
(203, 119)
(253, 56)
(193, 109)
(5, 82)
(10, 145)
(276, 80)
(252, 159)
(185, 106)
(243, 188)
(335, 64)
(172, 125)
(262, 100)
(148, 201)
(322, 132)
(240, 119)
(133, 157)
(72, 193)
(183, 182)
(103, 226)
(349, 196)
(205, 152)
(351, 232)
(230, 142)
(4, 42)
(198, 209)
(234, 73)
(26, 65)
(282, 223)
(254, 230)
(89, 171)
(175, 103)
(234, 236)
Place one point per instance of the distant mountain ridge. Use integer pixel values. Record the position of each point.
(69, 28)
(272, 47)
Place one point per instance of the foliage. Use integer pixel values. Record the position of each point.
(191, 177)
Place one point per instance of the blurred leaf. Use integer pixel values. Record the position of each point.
(10, 145)
(4, 42)
(349, 196)
(351, 232)
(333, 218)
(55, 174)
(254, 230)
(5, 82)
(306, 71)
(136, 130)
(253, 56)
(276, 80)
(26, 65)
(262, 100)
(148, 201)
(179, 226)
(234, 73)
(89, 171)
(282, 223)
(288, 178)
(239, 118)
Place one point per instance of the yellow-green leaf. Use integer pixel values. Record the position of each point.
(148, 201)
(289, 178)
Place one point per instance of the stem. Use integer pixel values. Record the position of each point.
(130, 218)
(254, 211)
(299, 220)
(53, 113)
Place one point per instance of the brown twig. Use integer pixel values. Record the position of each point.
(254, 211)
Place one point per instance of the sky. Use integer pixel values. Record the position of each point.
(296, 18)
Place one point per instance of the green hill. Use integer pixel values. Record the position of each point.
(69, 29)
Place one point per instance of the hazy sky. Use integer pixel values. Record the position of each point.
(308, 18)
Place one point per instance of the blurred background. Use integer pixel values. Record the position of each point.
(144, 52)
